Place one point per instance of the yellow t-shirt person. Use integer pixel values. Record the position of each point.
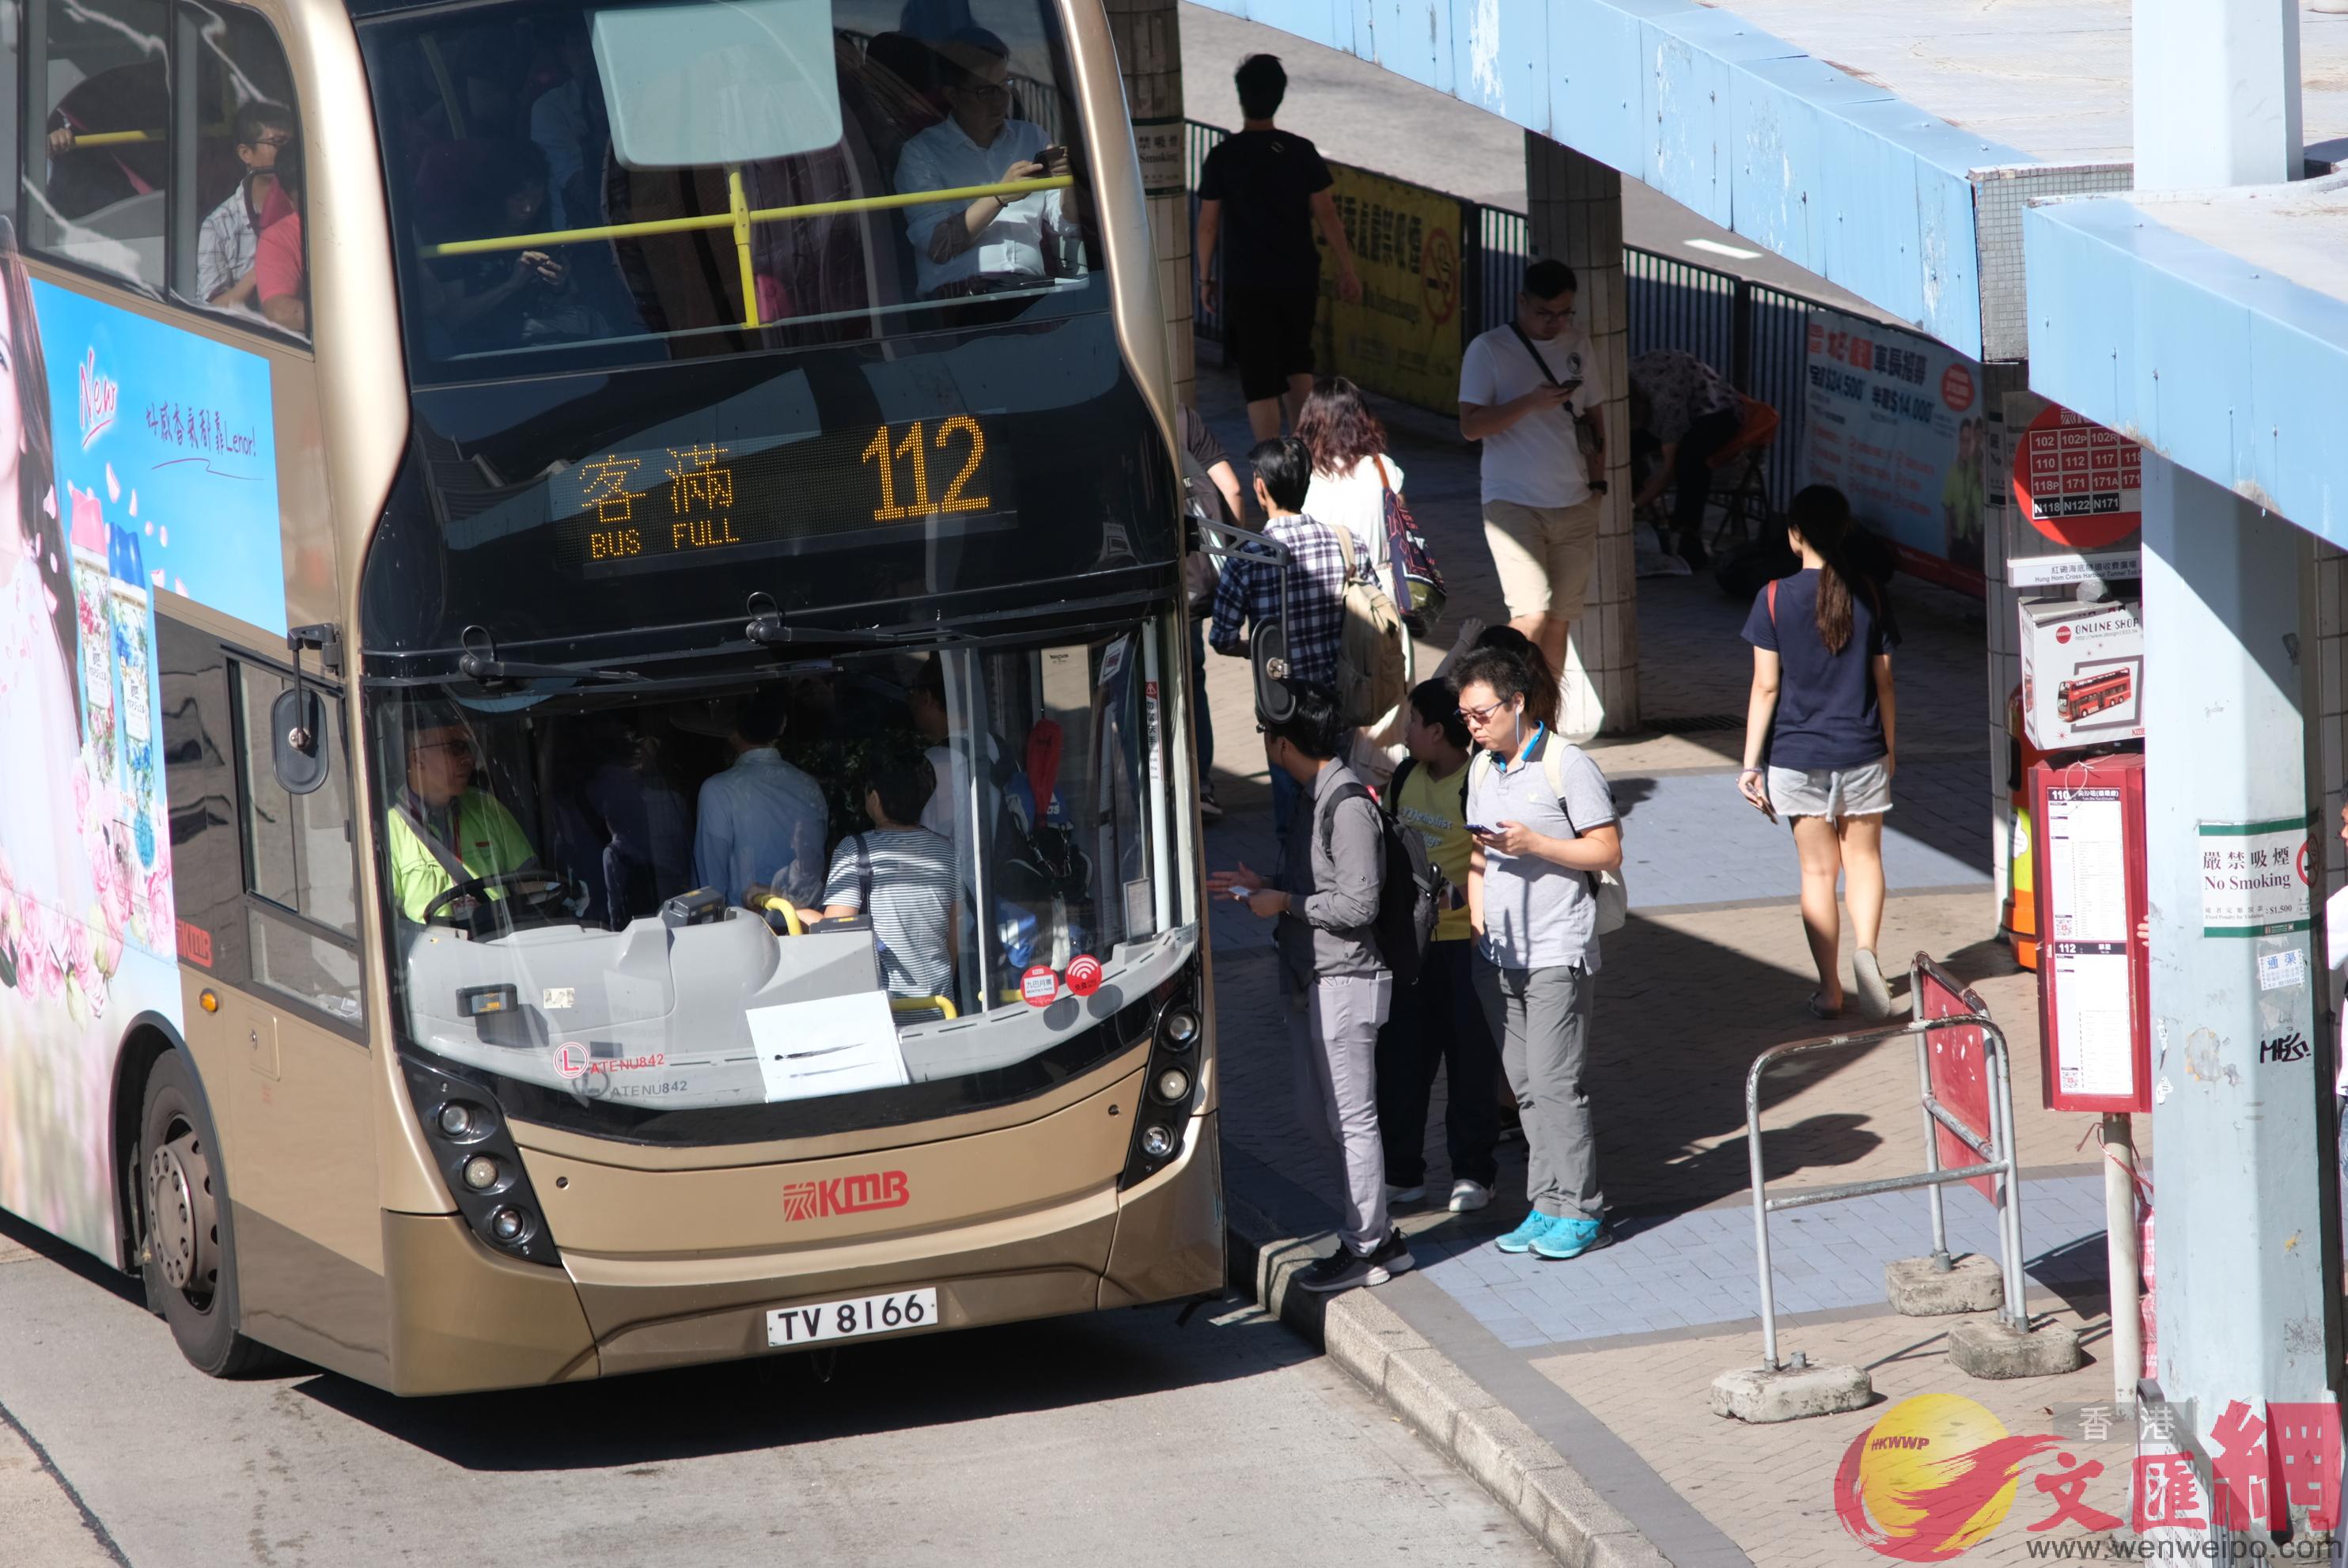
(1432, 806)
(476, 828)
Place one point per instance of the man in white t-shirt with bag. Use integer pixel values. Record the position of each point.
(1532, 393)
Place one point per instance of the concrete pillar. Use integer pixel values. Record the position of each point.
(1576, 216)
(2239, 1168)
(1150, 53)
(2217, 93)
(2241, 1175)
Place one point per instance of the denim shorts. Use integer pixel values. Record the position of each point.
(1833, 793)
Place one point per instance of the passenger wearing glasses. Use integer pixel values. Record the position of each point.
(1544, 828)
(991, 242)
(232, 231)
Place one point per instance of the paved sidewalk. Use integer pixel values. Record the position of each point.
(1607, 1358)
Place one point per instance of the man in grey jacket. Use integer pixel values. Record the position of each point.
(1338, 988)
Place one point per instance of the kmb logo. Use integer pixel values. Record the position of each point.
(845, 1195)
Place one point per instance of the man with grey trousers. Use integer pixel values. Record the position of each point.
(1543, 824)
(1337, 986)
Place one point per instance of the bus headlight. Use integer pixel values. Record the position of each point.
(1173, 1086)
(475, 1154)
(464, 1122)
(1157, 1141)
(1180, 1028)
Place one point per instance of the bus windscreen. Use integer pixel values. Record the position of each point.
(575, 186)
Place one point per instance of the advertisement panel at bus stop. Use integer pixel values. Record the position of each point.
(138, 458)
(1402, 338)
(1895, 423)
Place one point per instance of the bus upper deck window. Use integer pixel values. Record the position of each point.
(714, 85)
(670, 178)
(240, 247)
(97, 135)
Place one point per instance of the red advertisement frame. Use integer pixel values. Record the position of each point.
(2125, 772)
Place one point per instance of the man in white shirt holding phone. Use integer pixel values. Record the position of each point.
(1525, 390)
(992, 242)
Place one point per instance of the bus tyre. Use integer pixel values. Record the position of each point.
(188, 1265)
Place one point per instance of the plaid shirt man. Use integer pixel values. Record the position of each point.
(225, 243)
(1316, 597)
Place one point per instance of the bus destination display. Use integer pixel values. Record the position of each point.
(666, 505)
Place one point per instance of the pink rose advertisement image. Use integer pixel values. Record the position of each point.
(133, 457)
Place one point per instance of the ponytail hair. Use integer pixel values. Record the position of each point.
(1821, 515)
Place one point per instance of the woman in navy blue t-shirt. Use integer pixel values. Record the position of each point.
(1821, 715)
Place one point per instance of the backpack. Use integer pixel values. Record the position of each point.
(1410, 893)
(1607, 889)
(1418, 581)
(1370, 681)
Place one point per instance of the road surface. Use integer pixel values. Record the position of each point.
(1113, 1439)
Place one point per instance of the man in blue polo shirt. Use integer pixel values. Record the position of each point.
(1544, 823)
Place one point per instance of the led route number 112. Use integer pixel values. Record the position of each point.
(913, 449)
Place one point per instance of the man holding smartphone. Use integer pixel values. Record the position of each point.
(1533, 394)
(993, 243)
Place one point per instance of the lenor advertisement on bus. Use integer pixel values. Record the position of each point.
(172, 434)
(136, 457)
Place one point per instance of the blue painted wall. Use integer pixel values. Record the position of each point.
(1830, 172)
(2227, 371)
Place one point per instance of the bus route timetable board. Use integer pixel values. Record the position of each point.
(2092, 980)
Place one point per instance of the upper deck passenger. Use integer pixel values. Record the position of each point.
(992, 242)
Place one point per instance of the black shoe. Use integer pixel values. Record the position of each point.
(1344, 1269)
(1395, 1256)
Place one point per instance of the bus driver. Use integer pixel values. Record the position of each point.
(441, 825)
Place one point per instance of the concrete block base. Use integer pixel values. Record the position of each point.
(1988, 1348)
(1758, 1394)
(1972, 1284)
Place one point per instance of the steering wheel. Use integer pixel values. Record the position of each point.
(439, 910)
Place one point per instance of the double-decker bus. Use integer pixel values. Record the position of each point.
(594, 758)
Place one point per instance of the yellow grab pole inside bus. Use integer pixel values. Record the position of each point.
(732, 220)
(741, 205)
(113, 137)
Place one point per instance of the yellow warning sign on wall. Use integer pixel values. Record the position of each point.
(1402, 338)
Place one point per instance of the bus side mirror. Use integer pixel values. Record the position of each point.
(1275, 699)
(297, 748)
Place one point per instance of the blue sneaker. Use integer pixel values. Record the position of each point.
(1536, 1226)
(1569, 1239)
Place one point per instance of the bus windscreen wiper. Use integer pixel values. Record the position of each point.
(767, 628)
(479, 662)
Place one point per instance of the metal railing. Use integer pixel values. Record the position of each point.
(1503, 246)
(1199, 139)
(1992, 1147)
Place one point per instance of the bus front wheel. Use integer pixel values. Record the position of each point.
(187, 1264)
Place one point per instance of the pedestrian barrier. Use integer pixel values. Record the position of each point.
(1964, 1086)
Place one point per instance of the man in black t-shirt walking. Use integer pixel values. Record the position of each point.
(1276, 188)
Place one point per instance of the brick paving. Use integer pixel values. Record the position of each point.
(1769, 1489)
(1711, 970)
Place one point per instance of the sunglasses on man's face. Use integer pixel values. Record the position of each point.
(1481, 716)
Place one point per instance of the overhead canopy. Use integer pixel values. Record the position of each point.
(1886, 146)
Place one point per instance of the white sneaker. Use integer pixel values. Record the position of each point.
(1405, 1194)
(1468, 1196)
